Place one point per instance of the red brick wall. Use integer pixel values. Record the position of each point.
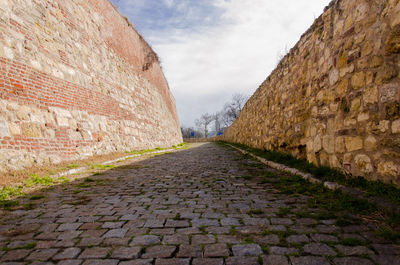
(73, 84)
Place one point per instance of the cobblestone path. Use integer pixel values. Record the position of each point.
(191, 207)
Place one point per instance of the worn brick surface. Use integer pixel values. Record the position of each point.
(167, 193)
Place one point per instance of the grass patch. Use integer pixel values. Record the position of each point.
(388, 234)
(8, 192)
(30, 245)
(283, 212)
(255, 211)
(35, 179)
(72, 166)
(8, 204)
(102, 167)
(36, 197)
(351, 242)
(371, 188)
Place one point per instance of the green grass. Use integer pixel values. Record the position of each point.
(102, 167)
(8, 204)
(35, 179)
(36, 197)
(255, 211)
(71, 166)
(8, 192)
(351, 242)
(371, 188)
(26, 246)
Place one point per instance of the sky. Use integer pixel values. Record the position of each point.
(212, 49)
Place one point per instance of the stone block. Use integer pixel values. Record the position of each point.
(353, 143)
(358, 80)
(31, 130)
(4, 130)
(396, 126)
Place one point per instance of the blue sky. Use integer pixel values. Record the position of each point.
(211, 49)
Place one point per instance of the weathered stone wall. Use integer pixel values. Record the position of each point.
(334, 99)
(77, 80)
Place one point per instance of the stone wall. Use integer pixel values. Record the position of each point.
(77, 80)
(335, 98)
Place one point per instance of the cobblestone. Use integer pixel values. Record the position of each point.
(190, 207)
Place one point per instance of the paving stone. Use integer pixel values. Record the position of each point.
(216, 250)
(267, 240)
(101, 262)
(176, 239)
(115, 242)
(145, 240)
(133, 217)
(188, 230)
(95, 253)
(327, 229)
(296, 239)
(386, 249)
(68, 253)
(386, 259)
(351, 261)
(324, 237)
(354, 251)
(137, 262)
(218, 229)
(246, 250)
(159, 252)
(203, 239)
(125, 253)
(281, 221)
(163, 231)
(230, 221)
(13, 255)
(256, 221)
(189, 251)
(274, 260)
(282, 250)
(42, 254)
(116, 233)
(154, 223)
(309, 260)
(242, 261)
(319, 249)
(228, 239)
(172, 262)
(176, 223)
(69, 227)
(204, 222)
(207, 261)
(113, 225)
(70, 262)
(90, 241)
(306, 221)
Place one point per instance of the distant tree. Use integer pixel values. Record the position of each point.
(187, 132)
(203, 122)
(232, 108)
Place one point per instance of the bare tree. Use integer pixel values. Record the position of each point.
(203, 122)
(233, 108)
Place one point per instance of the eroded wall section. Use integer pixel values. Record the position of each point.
(334, 99)
(77, 80)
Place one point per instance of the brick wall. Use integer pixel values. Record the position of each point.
(335, 98)
(77, 80)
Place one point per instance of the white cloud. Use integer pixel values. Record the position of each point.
(168, 3)
(204, 68)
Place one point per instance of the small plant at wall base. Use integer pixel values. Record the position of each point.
(371, 188)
